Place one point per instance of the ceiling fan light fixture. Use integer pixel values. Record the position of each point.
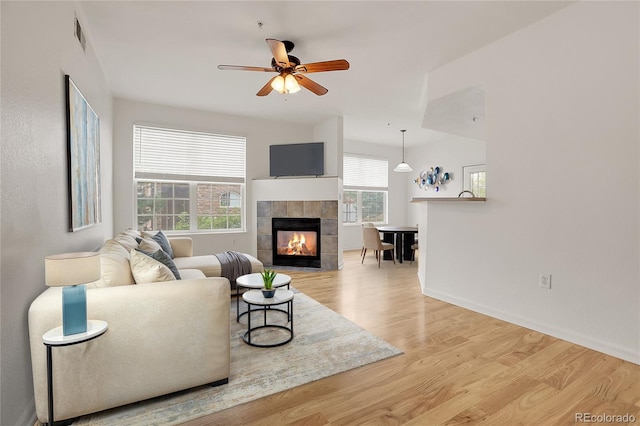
(285, 83)
(403, 167)
(278, 84)
(291, 84)
(291, 73)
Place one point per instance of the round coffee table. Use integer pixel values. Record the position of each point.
(254, 282)
(255, 297)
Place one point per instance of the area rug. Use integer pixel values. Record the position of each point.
(325, 343)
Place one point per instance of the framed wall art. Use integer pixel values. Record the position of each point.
(83, 157)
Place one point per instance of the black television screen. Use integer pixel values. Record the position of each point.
(298, 159)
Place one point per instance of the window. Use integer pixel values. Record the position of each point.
(475, 179)
(189, 181)
(365, 189)
(230, 199)
(163, 205)
(219, 207)
(350, 206)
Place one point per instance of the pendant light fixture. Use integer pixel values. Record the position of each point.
(403, 167)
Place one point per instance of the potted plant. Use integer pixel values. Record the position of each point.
(267, 278)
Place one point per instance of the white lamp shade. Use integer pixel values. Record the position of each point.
(403, 168)
(291, 84)
(278, 84)
(71, 268)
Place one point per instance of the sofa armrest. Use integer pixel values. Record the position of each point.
(181, 246)
(161, 338)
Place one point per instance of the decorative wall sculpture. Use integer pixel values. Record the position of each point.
(434, 178)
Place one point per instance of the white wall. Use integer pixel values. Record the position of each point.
(330, 132)
(38, 49)
(451, 153)
(259, 133)
(398, 201)
(562, 123)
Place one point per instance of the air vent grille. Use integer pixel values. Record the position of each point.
(79, 34)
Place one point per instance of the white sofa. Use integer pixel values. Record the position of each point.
(162, 337)
(115, 255)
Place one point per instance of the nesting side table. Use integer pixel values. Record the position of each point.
(55, 337)
(255, 298)
(254, 282)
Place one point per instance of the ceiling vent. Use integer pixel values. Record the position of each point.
(79, 34)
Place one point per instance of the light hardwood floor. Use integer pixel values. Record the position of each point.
(457, 367)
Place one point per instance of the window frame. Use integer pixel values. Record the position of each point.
(360, 209)
(193, 208)
(467, 171)
(361, 187)
(238, 184)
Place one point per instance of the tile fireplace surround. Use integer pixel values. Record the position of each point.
(326, 210)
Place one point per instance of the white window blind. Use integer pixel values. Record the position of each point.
(365, 172)
(191, 156)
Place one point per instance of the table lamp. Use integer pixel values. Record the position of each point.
(71, 271)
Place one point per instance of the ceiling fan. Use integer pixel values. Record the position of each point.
(290, 71)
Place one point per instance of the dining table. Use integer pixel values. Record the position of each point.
(403, 237)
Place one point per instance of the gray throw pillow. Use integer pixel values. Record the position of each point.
(162, 239)
(163, 258)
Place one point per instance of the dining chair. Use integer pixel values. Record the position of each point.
(366, 225)
(414, 247)
(371, 239)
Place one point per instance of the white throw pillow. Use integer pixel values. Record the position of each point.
(126, 241)
(132, 233)
(114, 265)
(148, 270)
(149, 245)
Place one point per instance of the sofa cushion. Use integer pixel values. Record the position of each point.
(147, 270)
(181, 246)
(163, 258)
(208, 264)
(191, 274)
(114, 265)
(161, 239)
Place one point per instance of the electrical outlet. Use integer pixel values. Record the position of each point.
(545, 281)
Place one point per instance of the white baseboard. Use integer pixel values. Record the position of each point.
(625, 353)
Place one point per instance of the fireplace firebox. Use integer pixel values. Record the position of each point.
(296, 242)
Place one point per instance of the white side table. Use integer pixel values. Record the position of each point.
(254, 281)
(55, 337)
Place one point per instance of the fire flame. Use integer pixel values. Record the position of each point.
(293, 243)
(296, 245)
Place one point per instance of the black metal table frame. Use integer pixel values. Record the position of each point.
(247, 335)
(399, 237)
(238, 295)
(50, 375)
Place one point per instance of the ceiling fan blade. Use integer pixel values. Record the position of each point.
(307, 83)
(279, 52)
(245, 68)
(266, 89)
(336, 65)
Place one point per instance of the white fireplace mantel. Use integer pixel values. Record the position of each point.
(297, 189)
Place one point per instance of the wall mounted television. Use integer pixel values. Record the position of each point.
(297, 159)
